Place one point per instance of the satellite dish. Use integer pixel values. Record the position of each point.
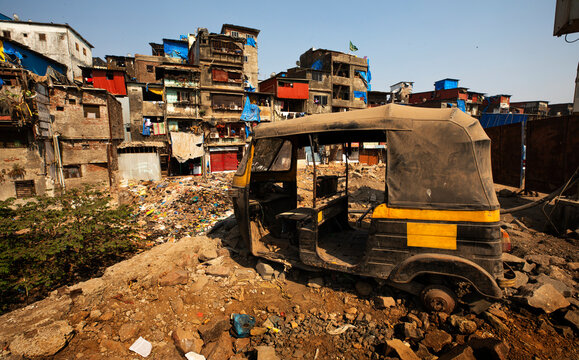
(16, 17)
(298, 63)
(272, 74)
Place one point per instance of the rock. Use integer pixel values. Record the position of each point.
(544, 297)
(495, 322)
(462, 324)
(415, 319)
(128, 331)
(383, 302)
(404, 352)
(42, 341)
(557, 273)
(113, 346)
(363, 288)
(573, 266)
(528, 267)
(542, 260)
(509, 258)
(408, 330)
(212, 330)
(199, 284)
(489, 348)
(207, 253)
(351, 310)
(174, 277)
(498, 313)
(241, 344)
(177, 305)
(107, 316)
(266, 353)
(264, 270)
(460, 352)
(436, 339)
(220, 349)
(559, 285)
(257, 331)
(218, 270)
(557, 260)
(316, 282)
(572, 316)
(423, 353)
(95, 314)
(521, 279)
(186, 341)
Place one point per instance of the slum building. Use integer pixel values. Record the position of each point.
(250, 63)
(59, 42)
(448, 94)
(220, 59)
(291, 95)
(26, 146)
(319, 98)
(87, 126)
(537, 108)
(348, 77)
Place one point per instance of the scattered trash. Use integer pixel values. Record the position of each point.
(194, 356)
(141, 347)
(340, 330)
(242, 325)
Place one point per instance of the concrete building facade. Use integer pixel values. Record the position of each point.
(59, 42)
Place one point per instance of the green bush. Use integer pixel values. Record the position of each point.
(50, 242)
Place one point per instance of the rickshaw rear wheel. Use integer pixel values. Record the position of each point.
(438, 298)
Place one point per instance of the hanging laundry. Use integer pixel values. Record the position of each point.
(146, 127)
(159, 128)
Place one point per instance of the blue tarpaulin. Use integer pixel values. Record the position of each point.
(317, 65)
(492, 120)
(176, 49)
(31, 60)
(250, 111)
(251, 42)
(361, 95)
(461, 105)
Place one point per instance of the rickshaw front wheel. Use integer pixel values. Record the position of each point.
(438, 298)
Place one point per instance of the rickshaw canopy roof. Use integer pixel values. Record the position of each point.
(436, 158)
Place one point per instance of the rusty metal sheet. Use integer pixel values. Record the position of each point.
(552, 152)
(506, 145)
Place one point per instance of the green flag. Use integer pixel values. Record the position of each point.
(353, 47)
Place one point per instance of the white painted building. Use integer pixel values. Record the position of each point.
(59, 42)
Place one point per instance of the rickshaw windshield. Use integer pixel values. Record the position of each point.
(272, 155)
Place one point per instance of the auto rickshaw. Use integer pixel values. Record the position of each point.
(438, 224)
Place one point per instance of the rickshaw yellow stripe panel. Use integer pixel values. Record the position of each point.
(384, 212)
(436, 236)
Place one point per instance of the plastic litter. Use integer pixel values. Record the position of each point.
(194, 356)
(142, 347)
(340, 330)
(242, 325)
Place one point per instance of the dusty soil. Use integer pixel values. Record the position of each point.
(188, 283)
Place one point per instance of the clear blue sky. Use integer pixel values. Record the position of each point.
(491, 46)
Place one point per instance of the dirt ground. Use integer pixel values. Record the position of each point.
(180, 295)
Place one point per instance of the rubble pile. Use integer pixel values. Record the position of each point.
(177, 207)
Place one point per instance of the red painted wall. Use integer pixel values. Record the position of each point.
(116, 86)
(297, 91)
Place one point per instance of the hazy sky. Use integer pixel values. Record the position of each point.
(491, 46)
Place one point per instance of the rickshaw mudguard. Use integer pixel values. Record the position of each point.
(446, 265)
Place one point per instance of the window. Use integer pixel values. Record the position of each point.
(235, 34)
(230, 102)
(245, 58)
(183, 96)
(317, 76)
(72, 101)
(42, 37)
(25, 34)
(150, 68)
(71, 171)
(91, 111)
(24, 189)
(61, 36)
(341, 69)
(320, 100)
(110, 75)
(272, 155)
(6, 34)
(84, 51)
(11, 137)
(60, 108)
(76, 45)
